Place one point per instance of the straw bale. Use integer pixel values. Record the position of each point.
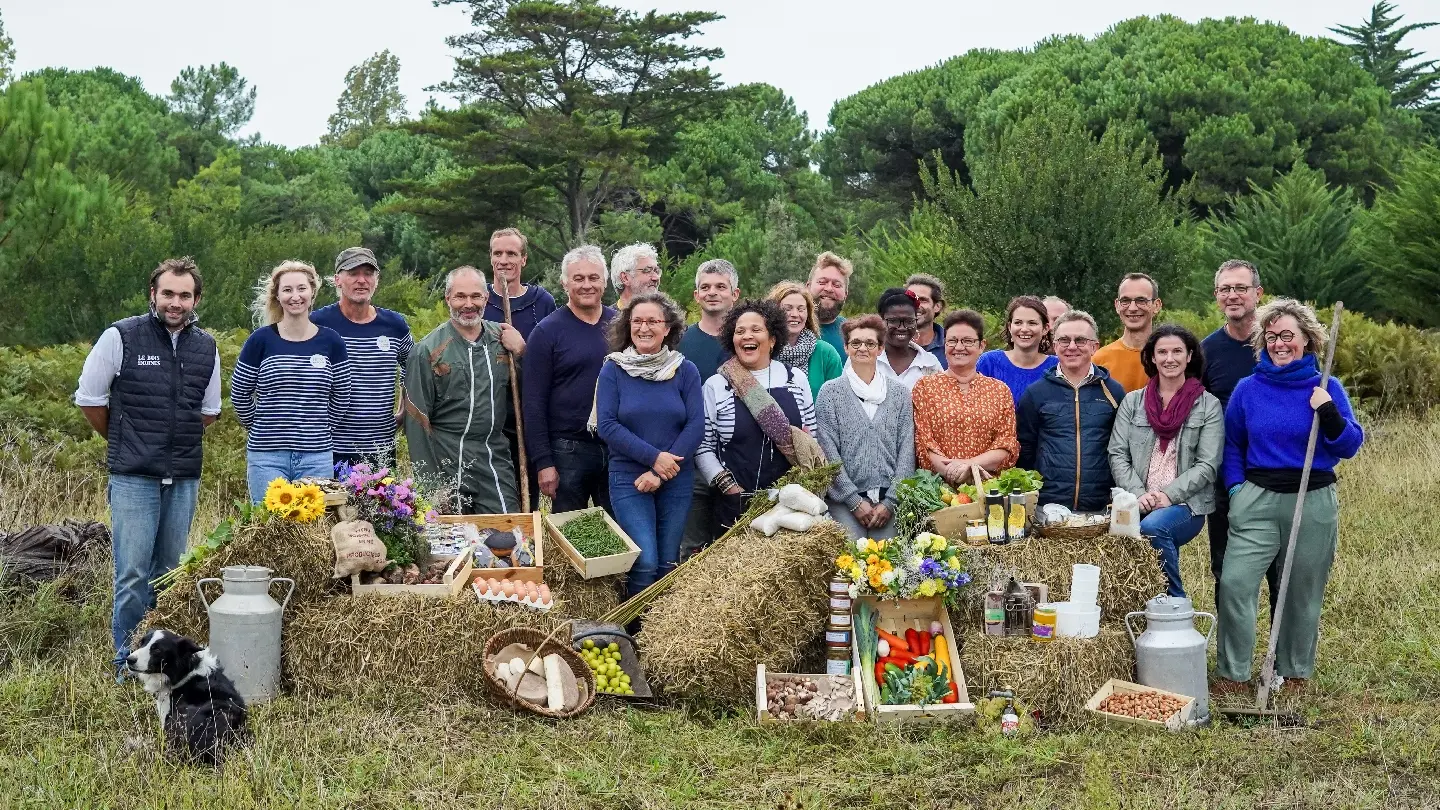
(749, 599)
(1129, 572)
(300, 551)
(1055, 677)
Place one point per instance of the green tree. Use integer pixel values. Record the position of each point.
(1298, 233)
(214, 98)
(564, 104)
(1400, 243)
(7, 54)
(371, 100)
(1375, 44)
(1054, 211)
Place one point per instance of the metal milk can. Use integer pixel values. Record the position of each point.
(1170, 654)
(245, 629)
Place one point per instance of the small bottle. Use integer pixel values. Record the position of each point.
(1015, 517)
(1010, 719)
(976, 534)
(1042, 626)
(995, 612)
(995, 517)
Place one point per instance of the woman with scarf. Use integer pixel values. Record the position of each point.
(1166, 444)
(866, 424)
(964, 419)
(759, 416)
(1267, 430)
(650, 413)
(803, 349)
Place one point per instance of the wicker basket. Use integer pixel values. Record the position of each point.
(545, 644)
(1074, 532)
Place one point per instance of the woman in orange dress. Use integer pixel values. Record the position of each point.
(964, 419)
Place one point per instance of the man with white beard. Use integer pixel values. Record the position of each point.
(457, 395)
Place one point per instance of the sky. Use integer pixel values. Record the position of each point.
(819, 51)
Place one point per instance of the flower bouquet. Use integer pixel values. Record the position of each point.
(300, 503)
(904, 568)
(394, 507)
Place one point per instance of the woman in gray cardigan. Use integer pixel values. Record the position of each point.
(865, 422)
(1166, 446)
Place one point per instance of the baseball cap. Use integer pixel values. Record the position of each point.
(351, 258)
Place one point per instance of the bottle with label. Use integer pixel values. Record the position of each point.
(1015, 517)
(995, 612)
(1010, 719)
(995, 517)
(976, 534)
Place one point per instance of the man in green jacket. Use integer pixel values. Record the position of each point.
(457, 397)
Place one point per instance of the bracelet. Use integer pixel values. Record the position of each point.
(723, 481)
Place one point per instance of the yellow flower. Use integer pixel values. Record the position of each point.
(280, 496)
(927, 588)
(844, 561)
(875, 579)
(855, 572)
(938, 544)
(872, 560)
(885, 565)
(388, 480)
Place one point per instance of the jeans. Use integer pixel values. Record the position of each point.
(842, 515)
(582, 468)
(1219, 528)
(655, 521)
(700, 522)
(150, 528)
(1167, 530)
(264, 466)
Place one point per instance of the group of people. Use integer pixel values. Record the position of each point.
(672, 428)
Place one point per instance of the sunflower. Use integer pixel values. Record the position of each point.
(280, 496)
(310, 502)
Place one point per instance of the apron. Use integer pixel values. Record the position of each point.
(751, 457)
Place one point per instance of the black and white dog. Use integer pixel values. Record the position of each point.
(200, 710)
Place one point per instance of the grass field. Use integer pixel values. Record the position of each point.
(70, 738)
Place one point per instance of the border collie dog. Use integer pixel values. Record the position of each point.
(200, 711)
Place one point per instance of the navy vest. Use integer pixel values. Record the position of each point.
(155, 422)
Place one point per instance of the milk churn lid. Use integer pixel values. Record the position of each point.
(1168, 607)
(245, 573)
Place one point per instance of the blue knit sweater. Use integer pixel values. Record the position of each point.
(1267, 423)
(638, 418)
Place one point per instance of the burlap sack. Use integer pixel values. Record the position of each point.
(357, 548)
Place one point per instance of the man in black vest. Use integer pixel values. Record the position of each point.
(150, 386)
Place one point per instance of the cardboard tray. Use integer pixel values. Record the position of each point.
(592, 567)
(894, 616)
(529, 522)
(457, 576)
(762, 679)
(1182, 719)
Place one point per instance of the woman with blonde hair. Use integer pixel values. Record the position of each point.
(291, 382)
(804, 351)
(1267, 431)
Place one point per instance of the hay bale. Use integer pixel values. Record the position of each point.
(1055, 678)
(1129, 572)
(749, 599)
(300, 551)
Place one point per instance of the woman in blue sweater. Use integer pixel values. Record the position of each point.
(1267, 427)
(649, 412)
(1026, 356)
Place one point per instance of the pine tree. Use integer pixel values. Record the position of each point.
(1375, 44)
(371, 100)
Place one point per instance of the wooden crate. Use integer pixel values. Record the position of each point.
(895, 616)
(529, 522)
(762, 680)
(1181, 719)
(592, 567)
(457, 576)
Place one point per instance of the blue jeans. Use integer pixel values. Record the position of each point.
(581, 467)
(264, 466)
(150, 528)
(1167, 530)
(654, 520)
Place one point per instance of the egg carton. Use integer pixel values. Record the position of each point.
(535, 604)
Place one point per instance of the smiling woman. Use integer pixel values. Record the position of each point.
(802, 348)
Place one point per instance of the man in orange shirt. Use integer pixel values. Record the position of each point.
(1137, 304)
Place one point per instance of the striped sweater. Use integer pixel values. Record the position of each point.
(289, 394)
(378, 351)
(720, 405)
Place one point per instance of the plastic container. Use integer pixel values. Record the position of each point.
(1077, 621)
(995, 612)
(1084, 584)
(1043, 620)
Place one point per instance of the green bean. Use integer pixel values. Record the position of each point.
(592, 536)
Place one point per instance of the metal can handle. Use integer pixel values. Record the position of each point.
(1209, 634)
(288, 593)
(1130, 629)
(200, 586)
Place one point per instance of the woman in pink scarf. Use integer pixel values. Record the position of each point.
(1166, 446)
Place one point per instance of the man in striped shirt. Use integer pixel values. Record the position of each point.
(379, 344)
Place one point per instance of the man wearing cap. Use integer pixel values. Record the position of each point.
(379, 343)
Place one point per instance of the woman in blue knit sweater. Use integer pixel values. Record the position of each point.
(649, 412)
(1267, 427)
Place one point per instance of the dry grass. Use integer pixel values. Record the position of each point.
(1129, 571)
(1054, 678)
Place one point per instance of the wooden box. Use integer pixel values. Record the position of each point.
(457, 576)
(895, 616)
(529, 522)
(1181, 719)
(762, 680)
(592, 567)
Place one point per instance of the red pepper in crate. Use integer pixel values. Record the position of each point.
(879, 673)
(913, 639)
(924, 638)
(953, 696)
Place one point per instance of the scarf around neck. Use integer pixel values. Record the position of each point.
(797, 356)
(871, 394)
(1167, 421)
(656, 367)
(1303, 370)
(772, 420)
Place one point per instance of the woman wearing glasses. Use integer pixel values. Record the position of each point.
(804, 351)
(866, 424)
(650, 413)
(964, 419)
(1026, 356)
(903, 358)
(1267, 429)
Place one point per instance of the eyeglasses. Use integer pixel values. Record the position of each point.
(900, 323)
(864, 345)
(1233, 289)
(1066, 341)
(968, 343)
(650, 322)
(478, 298)
(1139, 302)
(1284, 337)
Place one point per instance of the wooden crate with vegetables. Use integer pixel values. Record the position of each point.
(456, 575)
(593, 542)
(495, 534)
(905, 657)
(795, 697)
